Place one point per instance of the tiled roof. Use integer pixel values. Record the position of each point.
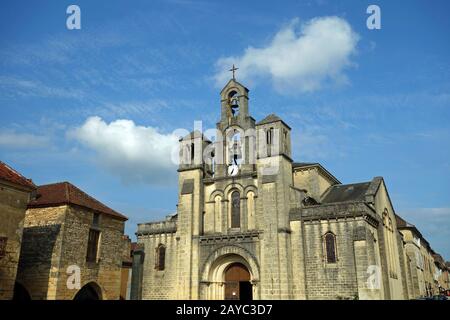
(346, 192)
(66, 193)
(9, 174)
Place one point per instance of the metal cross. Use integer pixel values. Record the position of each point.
(233, 70)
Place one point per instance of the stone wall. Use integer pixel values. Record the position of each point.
(356, 251)
(313, 180)
(13, 203)
(56, 238)
(159, 284)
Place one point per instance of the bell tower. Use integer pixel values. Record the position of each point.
(234, 103)
(237, 143)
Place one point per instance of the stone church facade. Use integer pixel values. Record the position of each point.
(253, 224)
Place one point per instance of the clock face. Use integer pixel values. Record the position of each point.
(233, 170)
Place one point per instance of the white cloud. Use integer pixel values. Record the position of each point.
(134, 153)
(299, 58)
(13, 140)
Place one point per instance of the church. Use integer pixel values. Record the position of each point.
(252, 223)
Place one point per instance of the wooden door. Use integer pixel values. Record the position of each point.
(235, 275)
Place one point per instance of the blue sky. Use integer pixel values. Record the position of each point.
(87, 105)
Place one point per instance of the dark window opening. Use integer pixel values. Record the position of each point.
(96, 219)
(160, 261)
(92, 250)
(269, 136)
(235, 210)
(330, 244)
(233, 101)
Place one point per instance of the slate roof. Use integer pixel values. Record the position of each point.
(9, 174)
(193, 135)
(270, 119)
(346, 192)
(303, 164)
(66, 193)
(236, 83)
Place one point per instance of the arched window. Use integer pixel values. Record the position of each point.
(251, 210)
(235, 210)
(218, 213)
(233, 101)
(235, 148)
(330, 247)
(160, 257)
(269, 136)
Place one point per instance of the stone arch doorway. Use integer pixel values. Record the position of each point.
(218, 267)
(90, 291)
(237, 282)
(20, 293)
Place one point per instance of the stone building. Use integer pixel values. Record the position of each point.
(253, 224)
(428, 271)
(125, 273)
(15, 193)
(72, 246)
(413, 248)
(440, 274)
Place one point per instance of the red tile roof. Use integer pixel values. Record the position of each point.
(9, 174)
(66, 193)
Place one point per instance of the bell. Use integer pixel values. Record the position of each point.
(234, 102)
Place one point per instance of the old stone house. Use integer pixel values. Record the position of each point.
(414, 244)
(428, 270)
(69, 233)
(253, 224)
(440, 274)
(125, 273)
(15, 193)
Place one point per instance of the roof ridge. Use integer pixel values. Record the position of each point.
(52, 183)
(68, 193)
(27, 181)
(349, 184)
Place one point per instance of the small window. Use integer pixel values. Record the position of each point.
(96, 220)
(269, 136)
(235, 210)
(92, 250)
(3, 242)
(160, 259)
(192, 151)
(233, 101)
(330, 247)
